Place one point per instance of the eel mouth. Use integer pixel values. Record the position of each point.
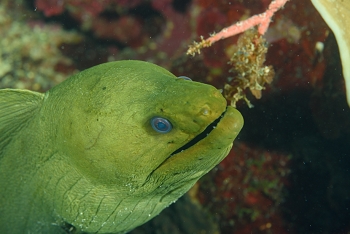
(200, 136)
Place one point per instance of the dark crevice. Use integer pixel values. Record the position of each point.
(181, 6)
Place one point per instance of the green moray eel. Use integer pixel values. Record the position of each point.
(108, 149)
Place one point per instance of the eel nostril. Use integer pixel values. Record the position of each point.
(205, 110)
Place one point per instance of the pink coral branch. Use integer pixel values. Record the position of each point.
(261, 20)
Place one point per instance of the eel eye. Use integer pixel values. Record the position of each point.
(161, 125)
(184, 78)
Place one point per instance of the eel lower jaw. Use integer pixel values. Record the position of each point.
(200, 136)
(216, 139)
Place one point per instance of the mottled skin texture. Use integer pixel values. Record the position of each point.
(84, 153)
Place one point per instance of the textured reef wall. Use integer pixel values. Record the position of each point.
(289, 171)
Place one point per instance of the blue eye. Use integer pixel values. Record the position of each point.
(184, 77)
(161, 125)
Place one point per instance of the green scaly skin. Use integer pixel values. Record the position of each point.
(84, 153)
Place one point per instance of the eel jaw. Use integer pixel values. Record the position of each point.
(200, 136)
(202, 153)
(189, 144)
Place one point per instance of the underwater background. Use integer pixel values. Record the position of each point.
(288, 171)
